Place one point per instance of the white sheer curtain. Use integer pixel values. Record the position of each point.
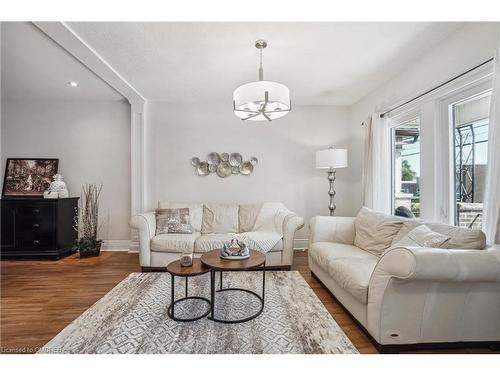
(377, 165)
(491, 209)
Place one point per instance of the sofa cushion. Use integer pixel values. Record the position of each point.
(348, 265)
(174, 242)
(460, 238)
(375, 231)
(353, 275)
(212, 241)
(247, 216)
(173, 220)
(422, 236)
(195, 212)
(220, 218)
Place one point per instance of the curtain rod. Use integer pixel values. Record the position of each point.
(436, 87)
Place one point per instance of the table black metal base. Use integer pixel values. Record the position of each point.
(221, 289)
(171, 308)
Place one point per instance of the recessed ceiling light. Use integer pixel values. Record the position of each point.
(73, 84)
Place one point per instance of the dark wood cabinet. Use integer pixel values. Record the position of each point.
(37, 227)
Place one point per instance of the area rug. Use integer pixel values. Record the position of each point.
(132, 318)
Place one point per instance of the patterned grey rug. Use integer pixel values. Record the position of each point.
(132, 318)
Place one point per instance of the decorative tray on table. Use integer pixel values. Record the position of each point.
(235, 250)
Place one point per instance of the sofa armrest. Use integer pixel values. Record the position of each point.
(433, 264)
(332, 229)
(291, 224)
(413, 290)
(146, 225)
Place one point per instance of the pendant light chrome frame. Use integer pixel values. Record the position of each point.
(260, 45)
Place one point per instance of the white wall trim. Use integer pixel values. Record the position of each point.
(68, 39)
(300, 243)
(138, 158)
(115, 245)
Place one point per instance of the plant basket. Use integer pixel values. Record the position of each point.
(90, 251)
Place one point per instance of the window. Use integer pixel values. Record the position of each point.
(470, 127)
(406, 167)
(434, 153)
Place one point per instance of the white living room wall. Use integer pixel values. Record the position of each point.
(285, 149)
(91, 140)
(469, 46)
(464, 49)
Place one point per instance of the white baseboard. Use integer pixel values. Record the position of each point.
(115, 245)
(300, 243)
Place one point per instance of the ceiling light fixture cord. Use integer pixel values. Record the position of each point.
(261, 69)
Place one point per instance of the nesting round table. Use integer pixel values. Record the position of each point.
(175, 269)
(256, 262)
(213, 263)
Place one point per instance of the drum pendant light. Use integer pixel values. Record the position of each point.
(261, 100)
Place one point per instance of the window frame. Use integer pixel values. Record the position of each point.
(393, 123)
(447, 117)
(437, 181)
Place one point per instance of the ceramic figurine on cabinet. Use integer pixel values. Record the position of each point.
(57, 188)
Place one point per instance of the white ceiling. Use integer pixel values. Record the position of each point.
(322, 63)
(34, 66)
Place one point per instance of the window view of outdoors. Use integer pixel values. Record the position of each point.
(406, 168)
(470, 125)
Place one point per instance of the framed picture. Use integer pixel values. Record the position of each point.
(26, 177)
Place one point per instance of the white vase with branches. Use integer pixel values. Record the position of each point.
(87, 221)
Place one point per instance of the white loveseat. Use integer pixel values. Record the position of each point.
(258, 225)
(410, 297)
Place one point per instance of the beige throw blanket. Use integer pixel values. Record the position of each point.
(268, 228)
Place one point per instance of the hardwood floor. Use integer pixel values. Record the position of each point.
(40, 298)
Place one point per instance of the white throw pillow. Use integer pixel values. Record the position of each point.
(220, 218)
(247, 216)
(460, 238)
(375, 231)
(422, 236)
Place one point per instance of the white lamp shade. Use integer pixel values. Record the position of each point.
(251, 96)
(331, 158)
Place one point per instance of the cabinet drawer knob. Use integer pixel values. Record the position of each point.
(36, 242)
(36, 225)
(36, 210)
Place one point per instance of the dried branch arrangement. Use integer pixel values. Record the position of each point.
(86, 222)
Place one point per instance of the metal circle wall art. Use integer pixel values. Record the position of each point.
(246, 168)
(195, 161)
(235, 159)
(224, 164)
(224, 169)
(213, 158)
(202, 169)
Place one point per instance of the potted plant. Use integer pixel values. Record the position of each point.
(87, 222)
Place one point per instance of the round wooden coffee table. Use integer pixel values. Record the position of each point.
(256, 262)
(175, 269)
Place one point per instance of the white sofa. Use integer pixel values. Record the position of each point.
(409, 297)
(156, 251)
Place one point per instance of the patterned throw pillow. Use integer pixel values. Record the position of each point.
(173, 220)
(422, 236)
